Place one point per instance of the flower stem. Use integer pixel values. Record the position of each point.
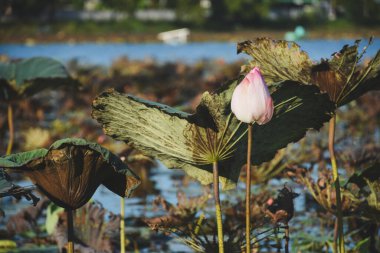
(11, 130)
(70, 231)
(337, 184)
(248, 193)
(335, 245)
(122, 225)
(218, 211)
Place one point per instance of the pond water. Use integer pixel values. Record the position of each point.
(105, 53)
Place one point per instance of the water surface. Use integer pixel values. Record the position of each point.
(106, 53)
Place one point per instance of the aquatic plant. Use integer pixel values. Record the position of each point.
(341, 77)
(22, 79)
(180, 140)
(189, 222)
(70, 171)
(180, 214)
(95, 228)
(359, 195)
(251, 103)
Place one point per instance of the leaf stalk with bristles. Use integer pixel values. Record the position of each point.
(337, 185)
(218, 211)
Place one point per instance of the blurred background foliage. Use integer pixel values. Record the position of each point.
(140, 16)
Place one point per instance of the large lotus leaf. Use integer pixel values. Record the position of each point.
(278, 60)
(181, 140)
(71, 170)
(29, 76)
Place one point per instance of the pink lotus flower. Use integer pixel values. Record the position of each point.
(251, 100)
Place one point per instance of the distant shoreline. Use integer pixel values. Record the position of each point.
(29, 37)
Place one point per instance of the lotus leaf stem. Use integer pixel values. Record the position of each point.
(337, 185)
(218, 211)
(122, 225)
(70, 231)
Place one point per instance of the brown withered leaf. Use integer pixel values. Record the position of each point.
(71, 170)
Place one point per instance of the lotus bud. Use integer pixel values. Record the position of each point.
(251, 101)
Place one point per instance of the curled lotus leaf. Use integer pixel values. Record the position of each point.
(71, 170)
(27, 77)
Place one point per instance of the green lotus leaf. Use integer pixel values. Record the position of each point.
(71, 170)
(26, 77)
(193, 141)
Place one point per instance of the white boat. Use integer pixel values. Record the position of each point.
(175, 37)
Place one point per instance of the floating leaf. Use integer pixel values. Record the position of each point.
(26, 77)
(70, 171)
